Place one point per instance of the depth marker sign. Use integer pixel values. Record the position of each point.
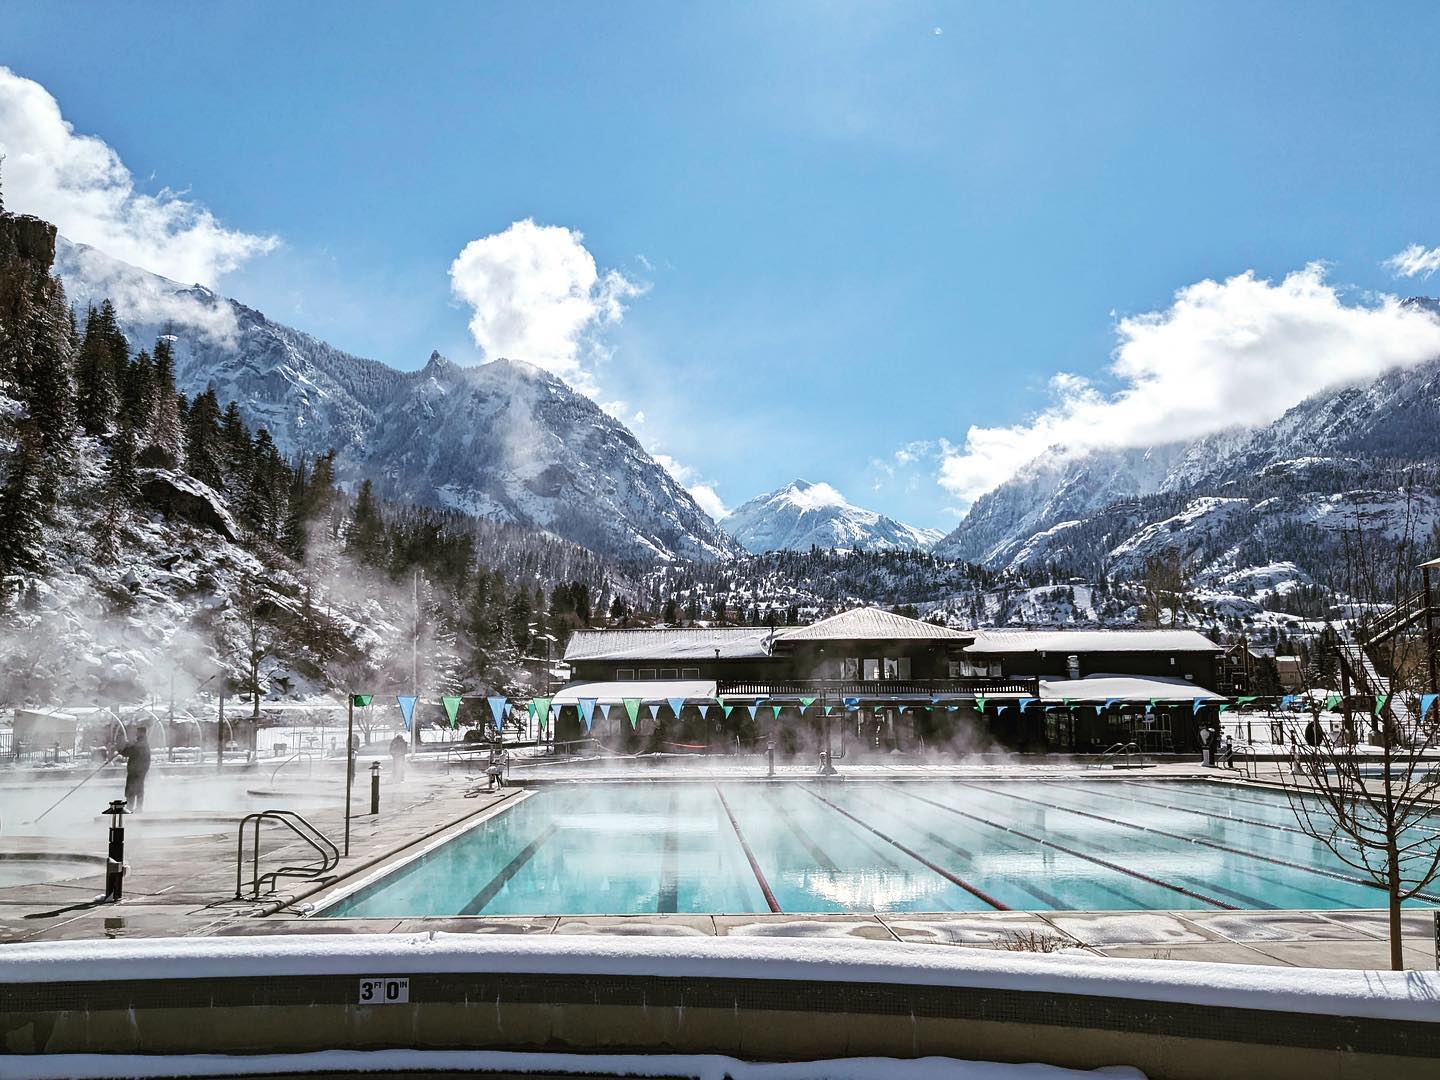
(384, 991)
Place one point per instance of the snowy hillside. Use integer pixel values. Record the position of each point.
(803, 515)
(504, 440)
(1241, 501)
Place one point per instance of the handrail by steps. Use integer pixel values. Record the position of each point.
(323, 846)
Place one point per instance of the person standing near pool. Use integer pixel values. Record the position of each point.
(398, 746)
(1207, 745)
(137, 766)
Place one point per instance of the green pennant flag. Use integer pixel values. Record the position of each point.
(1332, 701)
(452, 709)
(829, 709)
(1222, 709)
(806, 702)
(1380, 703)
(727, 710)
(360, 701)
(1245, 700)
(632, 710)
(542, 711)
(980, 702)
(776, 709)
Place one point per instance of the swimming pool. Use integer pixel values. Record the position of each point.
(909, 846)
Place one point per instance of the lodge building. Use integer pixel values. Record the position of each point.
(899, 682)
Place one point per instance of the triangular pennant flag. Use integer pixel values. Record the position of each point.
(806, 702)
(360, 701)
(1287, 701)
(776, 709)
(829, 709)
(1333, 701)
(676, 704)
(1150, 706)
(542, 711)
(1099, 710)
(1426, 700)
(587, 713)
(497, 711)
(1224, 707)
(753, 710)
(604, 712)
(952, 708)
(727, 710)
(1380, 703)
(632, 710)
(452, 708)
(1196, 705)
(1244, 700)
(1025, 702)
(980, 702)
(407, 708)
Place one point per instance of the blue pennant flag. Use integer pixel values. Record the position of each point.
(1196, 706)
(407, 708)
(1025, 702)
(1426, 700)
(1287, 701)
(1111, 701)
(604, 712)
(952, 708)
(497, 710)
(852, 704)
(676, 704)
(753, 710)
(1099, 710)
(587, 712)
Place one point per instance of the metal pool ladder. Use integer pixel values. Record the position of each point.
(328, 852)
(1109, 756)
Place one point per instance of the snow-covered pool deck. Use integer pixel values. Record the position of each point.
(763, 1000)
(185, 885)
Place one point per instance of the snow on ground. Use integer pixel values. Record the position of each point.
(700, 1066)
(1399, 995)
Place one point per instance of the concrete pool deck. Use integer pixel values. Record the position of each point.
(185, 885)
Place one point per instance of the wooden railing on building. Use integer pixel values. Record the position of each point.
(836, 690)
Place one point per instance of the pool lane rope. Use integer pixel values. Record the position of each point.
(749, 855)
(1181, 889)
(936, 867)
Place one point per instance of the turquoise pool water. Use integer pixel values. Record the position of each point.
(643, 848)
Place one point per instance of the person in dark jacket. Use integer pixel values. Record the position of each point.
(398, 746)
(137, 766)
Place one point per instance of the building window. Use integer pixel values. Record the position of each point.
(625, 674)
(872, 670)
(647, 673)
(851, 669)
(690, 673)
(669, 673)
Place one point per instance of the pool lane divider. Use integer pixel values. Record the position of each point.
(1202, 813)
(1229, 785)
(936, 867)
(513, 867)
(1334, 874)
(750, 856)
(1181, 889)
(668, 900)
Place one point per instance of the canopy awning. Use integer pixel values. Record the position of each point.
(1126, 688)
(653, 690)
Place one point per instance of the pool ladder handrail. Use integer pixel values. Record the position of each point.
(322, 844)
(304, 752)
(1246, 752)
(1110, 754)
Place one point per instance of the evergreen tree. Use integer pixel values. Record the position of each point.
(97, 398)
(167, 434)
(21, 539)
(203, 452)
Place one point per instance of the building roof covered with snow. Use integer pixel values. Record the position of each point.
(671, 643)
(872, 624)
(1126, 688)
(995, 642)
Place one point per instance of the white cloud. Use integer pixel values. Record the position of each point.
(1414, 260)
(1224, 354)
(537, 296)
(702, 492)
(79, 183)
(92, 277)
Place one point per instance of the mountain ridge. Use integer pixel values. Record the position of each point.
(802, 515)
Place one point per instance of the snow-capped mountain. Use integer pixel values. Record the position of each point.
(802, 515)
(1234, 504)
(503, 440)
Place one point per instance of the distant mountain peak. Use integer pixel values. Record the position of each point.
(802, 515)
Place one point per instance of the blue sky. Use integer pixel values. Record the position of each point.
(850, 233)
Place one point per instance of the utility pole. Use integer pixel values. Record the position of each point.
(415, 664)
(349, 764)
(220, 731)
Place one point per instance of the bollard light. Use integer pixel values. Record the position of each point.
(115, 856)
(375, 788)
